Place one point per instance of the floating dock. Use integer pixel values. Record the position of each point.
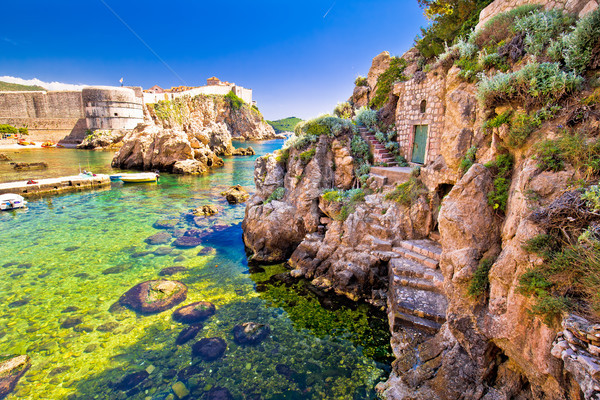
(56, 185)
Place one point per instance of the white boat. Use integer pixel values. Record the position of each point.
(140, 177)
(11, 201)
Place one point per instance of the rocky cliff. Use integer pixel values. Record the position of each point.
(188, 135)
(484, 253)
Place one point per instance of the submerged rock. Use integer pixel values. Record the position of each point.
(11, 370)
(236, 194)
(25, 165)
(187, 242)
(188, 334)
(209, 349)
(132, 380)
(158, 238)
(4, 157)
(154, 296)
(72, 248)
(71, 322)
(114, 270)
(171, 271)
(219, 393)
(163, 251)
(165, 224)
(194, 312)
(250, 333)
(205, 211)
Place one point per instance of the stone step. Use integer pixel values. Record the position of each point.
(404, 268)
(378, 230)
(394, 174)
(379, 244)
(419, 258)
(421, 323)
(419, 303)
(425, 247)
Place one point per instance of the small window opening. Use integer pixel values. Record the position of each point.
(116, 114)
(423, 106)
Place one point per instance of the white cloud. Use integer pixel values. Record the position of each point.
(46, 85)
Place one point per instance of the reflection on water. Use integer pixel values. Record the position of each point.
(67, 259)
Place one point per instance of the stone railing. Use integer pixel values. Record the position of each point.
(578, 345)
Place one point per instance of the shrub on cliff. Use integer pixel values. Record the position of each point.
(348, 198)
(361, 81)
(343, 110)
(581, 47)
(499, 27)
(366, 117)
(5, 128)
(386, 80)
(575, 148)
(450, 19)
(234, 101)
(539, 27)
(534, 84)
(407, 193)
(501, 169)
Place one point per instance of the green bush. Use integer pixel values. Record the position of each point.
(522, 125)
(468, 160)
(324, 125)
(450, 19)
(276, 195)
(308, 155)
(534, 84)
(499, 27)
(360, 148)
(469, 68)
(4, 128)
(580, 44)
(348, 198)
(497, 121)
(540, 27)
(407, 193)
(282, 155)
(361, 81)
(343, 110)
(568, 280)
(386, 80)
(581, 152)
(501, 169)
(381, 137)
(592, 196)
(481, 281)
(366, 117)
(24, 131)
(234, 101)
(401, 161)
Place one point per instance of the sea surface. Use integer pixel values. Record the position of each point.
(66, 260)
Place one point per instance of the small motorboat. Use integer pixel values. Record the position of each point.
(115, 178)
(49, 144)
(140, 177)
(11, 201)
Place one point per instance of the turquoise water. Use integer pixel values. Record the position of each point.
(67, 259)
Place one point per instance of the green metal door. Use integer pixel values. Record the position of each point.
(419, 144)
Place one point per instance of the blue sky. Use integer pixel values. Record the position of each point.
(299, 59)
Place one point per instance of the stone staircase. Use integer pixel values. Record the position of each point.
(416, 293)
(380, 153)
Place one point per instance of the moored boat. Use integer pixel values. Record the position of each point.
(139, 177)
(11, 201)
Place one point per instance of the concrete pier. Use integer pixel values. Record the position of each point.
(56, 185)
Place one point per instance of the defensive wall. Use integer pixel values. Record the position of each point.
(66, 116)
(222, 90)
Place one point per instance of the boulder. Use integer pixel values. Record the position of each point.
(195, 312)
(236, 194)
(219, 393)
(205, 211)
(132, 380)
(209, 349)
(187, 242)
(249, 151)
(250, 333)
(188, 334)
(11, 370)
(171, 271)
(103, 139)
(158, 238)
(165, 224)
(19, 166)
(152, 297)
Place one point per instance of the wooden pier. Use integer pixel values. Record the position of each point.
(56, 185)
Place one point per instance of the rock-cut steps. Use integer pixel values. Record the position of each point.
(416, 293)
(380, 153)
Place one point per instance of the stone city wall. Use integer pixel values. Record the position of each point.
(48, 115)
(112, 107)
(243, 93)
(577, 7)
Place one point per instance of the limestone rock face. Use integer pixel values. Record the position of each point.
(460, 119)
(11, 370)
(103, 139)
(362, 94)
(186, 136)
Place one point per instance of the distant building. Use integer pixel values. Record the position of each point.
(155, 89)
(214, 86)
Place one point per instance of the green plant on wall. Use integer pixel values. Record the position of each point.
(386, 80)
